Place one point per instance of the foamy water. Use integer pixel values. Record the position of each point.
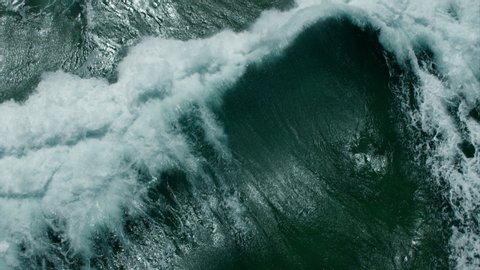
(71, 150)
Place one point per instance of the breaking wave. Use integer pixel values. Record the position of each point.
(91, 167)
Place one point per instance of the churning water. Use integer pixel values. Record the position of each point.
(317, 135)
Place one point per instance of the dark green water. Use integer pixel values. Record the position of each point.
(322, 175)
(317, 138)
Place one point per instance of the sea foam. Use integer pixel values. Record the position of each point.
(69, 153)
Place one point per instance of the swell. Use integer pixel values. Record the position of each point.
(318, 133)
(335, 173)
(320, 173)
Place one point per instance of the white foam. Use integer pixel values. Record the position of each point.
(4, 247)
(13, 5)
(452, 30)
(69, 151)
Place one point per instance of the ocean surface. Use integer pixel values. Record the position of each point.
(272, 134)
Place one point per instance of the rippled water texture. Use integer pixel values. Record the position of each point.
(89, 38)
(239, 134)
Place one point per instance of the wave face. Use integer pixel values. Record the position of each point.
(330, 135)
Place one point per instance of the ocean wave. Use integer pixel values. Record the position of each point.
(78, 155)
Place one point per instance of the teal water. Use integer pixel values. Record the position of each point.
(316, 135)
(322, 174)
(336, 149)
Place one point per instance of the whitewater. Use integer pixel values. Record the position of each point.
(72, 150)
